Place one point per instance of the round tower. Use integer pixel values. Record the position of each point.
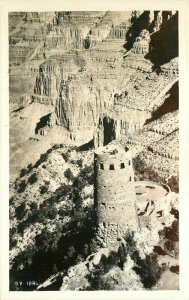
(114, 193)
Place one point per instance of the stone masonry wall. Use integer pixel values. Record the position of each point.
(114, 194)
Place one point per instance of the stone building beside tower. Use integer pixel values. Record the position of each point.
(114, 194)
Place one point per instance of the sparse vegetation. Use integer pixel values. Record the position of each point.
(148, 269)
(33, 178)
(69, 175)
(21, 187)
(46, 212)
(43, 189)
(20, 211)
(173, 183)
(66, 156)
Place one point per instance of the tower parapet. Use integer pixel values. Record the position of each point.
(115, 196)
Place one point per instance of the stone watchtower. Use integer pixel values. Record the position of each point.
(114, 194)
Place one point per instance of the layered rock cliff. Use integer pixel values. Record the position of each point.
(98, 73)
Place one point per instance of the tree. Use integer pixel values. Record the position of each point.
(33, 178)
(69, 175)
(13, 242)
(80, 163)
(175, 213)
(23, 172)
(33, 206)
(61, 212)
(21, 187)
(148, 269)
(169, 246)
(87, 174)
(42, 158)
(52, 213)
(173, 183)
(172, 233)
(20, 211)
(66, 156)
(43, 189)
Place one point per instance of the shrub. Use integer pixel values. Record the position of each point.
(173, 183)
(33, 178)
(13, 242)
(11, 200)
(30, 168)
(137, 163)
(21, 187)
(159, 250)
(61, 212)
(148, 269)
(79, 184)
(21, 227)
(172, 233)
(98, 282)
(174, 269)
(169, 246)
(52, 213)
(41, 239)
(57, 146)
(33, 206)
(20, 211)
(122, 252)
(63, 190)
(43, 189)
(87, 175)
(79, 163)
(69, 175)
(23, 172)
(66, 156)
(42, 158)
(41, 218)
(175, 213)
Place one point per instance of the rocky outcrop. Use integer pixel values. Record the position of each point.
(80, 104)
(77, 275)
(141, 45)
(48, 81)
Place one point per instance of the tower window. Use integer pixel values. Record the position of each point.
(159, 213)
(111, 167)
(130, 178)
(101, 167)
(122, 166)
(129, 162)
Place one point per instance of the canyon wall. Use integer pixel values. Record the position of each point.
(96, 69)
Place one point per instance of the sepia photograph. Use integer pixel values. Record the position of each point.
(94, 150)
